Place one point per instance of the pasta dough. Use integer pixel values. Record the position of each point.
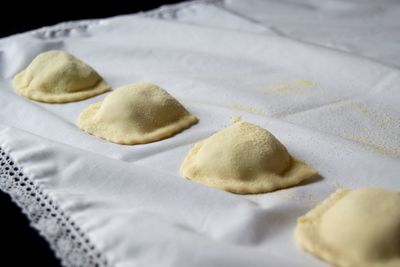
(136, 114)
(244, 158)
(354, 228)
(58, 77)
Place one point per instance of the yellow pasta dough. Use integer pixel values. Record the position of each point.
(135, 114)
(354, 228)
(58, 77)
(244, 158)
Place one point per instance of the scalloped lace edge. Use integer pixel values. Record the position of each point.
(170, 11)
(163, 12)
(71, 246)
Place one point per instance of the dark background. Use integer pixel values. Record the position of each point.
(20, 16)
(21, 245)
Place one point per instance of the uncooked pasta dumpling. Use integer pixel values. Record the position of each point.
(58, 77)
(354, 228)
(135, 114)
(244, 158)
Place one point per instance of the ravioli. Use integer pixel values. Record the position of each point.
(58, 77)
(354, 228)
(136, 114)
(244, 158)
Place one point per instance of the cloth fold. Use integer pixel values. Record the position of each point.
(336, 111)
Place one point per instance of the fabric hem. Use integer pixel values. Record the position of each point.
(71, 246)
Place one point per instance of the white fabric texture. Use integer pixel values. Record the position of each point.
(338, 111)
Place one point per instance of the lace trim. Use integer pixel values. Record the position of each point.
(63, 29)
(66, 239)
(171, 11)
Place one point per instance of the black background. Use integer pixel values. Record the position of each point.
(20, 16)
(21, 245)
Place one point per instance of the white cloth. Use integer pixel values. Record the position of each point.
(337, 111)
(365, 28)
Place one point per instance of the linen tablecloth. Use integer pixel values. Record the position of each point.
(334, 105)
